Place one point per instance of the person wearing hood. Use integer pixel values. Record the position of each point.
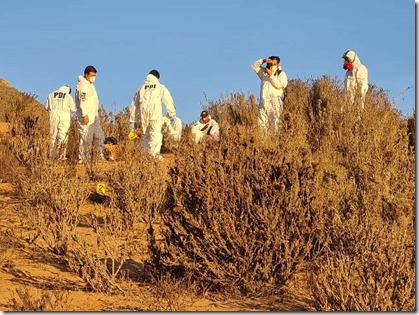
(356, 78)
(60, 105)
(205, 129)
(87, 103)
(272, 91)
(146, 108)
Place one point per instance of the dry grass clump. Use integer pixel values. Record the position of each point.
(369, 268)
(32, 300)
(138, 186)
(52, 201)
(7, 252)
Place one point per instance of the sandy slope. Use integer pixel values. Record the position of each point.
(25, 264)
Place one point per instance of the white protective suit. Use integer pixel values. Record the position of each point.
(91, 134)
(356, 80)
(174, 127)
(147, 107)
(60, 105)
(271, 94)
(203, 131)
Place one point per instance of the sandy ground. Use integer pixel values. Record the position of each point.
(26, 265)
(4, 127)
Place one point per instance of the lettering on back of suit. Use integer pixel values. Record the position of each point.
(149, 86)
(59, 95)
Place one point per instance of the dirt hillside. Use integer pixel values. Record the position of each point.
(24, 265)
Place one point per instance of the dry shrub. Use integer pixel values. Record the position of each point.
(246, 212)
(32, 300)
(101, 263)
(241, 213)
(372, 268)
(137, 187)
(52, 200)
(29, 123)
(7, 251)
(115, 125)
(168, 294)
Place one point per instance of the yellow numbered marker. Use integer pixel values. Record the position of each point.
(132, 135)
(101, 188)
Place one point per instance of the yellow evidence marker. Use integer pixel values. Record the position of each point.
(101, 188)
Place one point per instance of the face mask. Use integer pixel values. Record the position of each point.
(274, 68)
(92, 79)
(348, 66)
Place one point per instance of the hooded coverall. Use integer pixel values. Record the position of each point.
(271, 94)
(147, 106)
(91, 134)
(60, 105)
(356, 80)
(203, 131)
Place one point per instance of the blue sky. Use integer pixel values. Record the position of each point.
(203, 49)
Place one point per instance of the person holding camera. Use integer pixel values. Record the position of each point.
(206, 129)
(272, 91)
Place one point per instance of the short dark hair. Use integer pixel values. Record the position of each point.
(155, 73)
(89, 69)
(204, 114)
(275, 58)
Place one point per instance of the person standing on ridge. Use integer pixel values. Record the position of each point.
(87, 103)
(146, 107)
(60, 105)
(356, 78)
(272, 91)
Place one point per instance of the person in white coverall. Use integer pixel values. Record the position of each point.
(87, 103)
(272, 91)
(356, 78)
(60, 105)
(146, 107)
(206, 128)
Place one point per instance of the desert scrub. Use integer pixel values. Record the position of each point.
(34, 300)
(370, 268)
(138, 187)
(52, 199)
(240, 214)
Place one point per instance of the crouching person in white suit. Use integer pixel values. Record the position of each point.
(206, 129)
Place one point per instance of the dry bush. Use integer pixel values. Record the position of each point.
(137, 187)
(52, 200)
(245, 212)
(85, 261)
(101, 265)
(411, 131)
(115, 125)
(7, 251)
(372, 267)
(168, 294)
(32, 300)
(240, 212)
(368, 184)
(29, 126)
